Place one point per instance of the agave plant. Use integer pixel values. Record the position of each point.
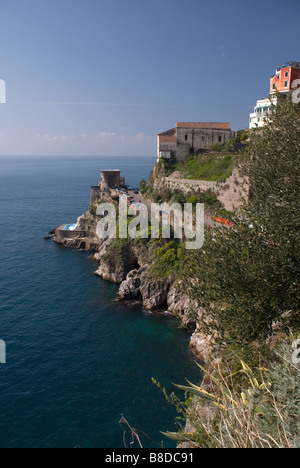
(235, 413)
(222, 385)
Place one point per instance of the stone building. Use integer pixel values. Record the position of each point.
(188, 138)
(111, 181)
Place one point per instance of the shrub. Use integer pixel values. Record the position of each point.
(193, 199)
(168, 260)
(244, 408)
(93, 210)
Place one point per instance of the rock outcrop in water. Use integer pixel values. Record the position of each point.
(127, 264)
(153, 294)
(115, 265)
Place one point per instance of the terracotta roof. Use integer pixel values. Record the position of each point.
(169, 136)
(205, 125)
(169, 132)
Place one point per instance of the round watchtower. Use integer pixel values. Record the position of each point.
(110, 180)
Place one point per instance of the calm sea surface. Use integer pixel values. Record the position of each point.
(76, 360)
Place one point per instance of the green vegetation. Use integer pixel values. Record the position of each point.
(169, 196)
(214, 165)
(249, 408)
(144, 187)
(93, 210)
(234, 145)
(208, 167)
(251, 274)
(248, 280)
(168, 260)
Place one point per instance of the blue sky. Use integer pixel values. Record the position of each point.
(103, 77)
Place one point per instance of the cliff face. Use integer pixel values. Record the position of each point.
(168, 296)
(126, 263)
(115, 263)
(138, 285)
(231, 193)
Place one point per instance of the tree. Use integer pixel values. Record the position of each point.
(248, 277)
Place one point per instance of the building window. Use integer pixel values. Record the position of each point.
(286, 84)
(186, 137)
(274, 86)
(220, 139)
(286, 74)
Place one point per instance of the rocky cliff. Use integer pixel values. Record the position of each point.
(231, 193)
(128, 263)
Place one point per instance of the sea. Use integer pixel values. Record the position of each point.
(76, 360)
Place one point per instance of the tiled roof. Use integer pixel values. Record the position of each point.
(169, 132)
(205, 125)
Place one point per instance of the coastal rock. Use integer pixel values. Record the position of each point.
(154, 293)
(192, 317)
(88, 223)
(201, 345)
(138, 285)
(183, 307)
(83, 237)
(115, 264)
(115, 273)
(130, 289)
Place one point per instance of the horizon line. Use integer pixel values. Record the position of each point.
(97, 103)
(74, 156)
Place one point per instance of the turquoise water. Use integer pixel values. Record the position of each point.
(76, 360)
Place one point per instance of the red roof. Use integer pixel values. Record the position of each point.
(205, 125)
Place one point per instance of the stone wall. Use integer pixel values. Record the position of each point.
(233, 191)
(69, 234)
(230, 193)
(187, 186)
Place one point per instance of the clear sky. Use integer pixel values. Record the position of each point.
(103, 77)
